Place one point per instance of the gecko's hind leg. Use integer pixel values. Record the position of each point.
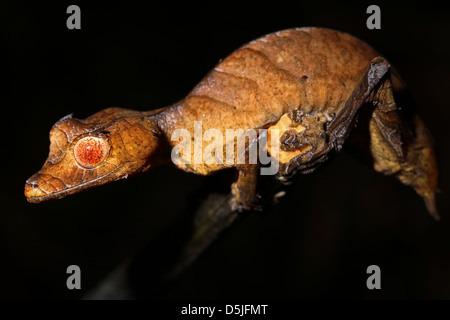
(337, 130)
(334, 132)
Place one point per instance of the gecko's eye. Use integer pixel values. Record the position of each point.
(89, 152)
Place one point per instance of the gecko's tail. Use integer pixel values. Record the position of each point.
(421, 170)
(402, 145)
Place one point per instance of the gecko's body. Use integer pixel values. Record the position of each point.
(310, 70)
(307, 82)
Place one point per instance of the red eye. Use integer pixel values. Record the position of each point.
(89, 152)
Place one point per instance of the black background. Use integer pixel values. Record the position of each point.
(316, 244)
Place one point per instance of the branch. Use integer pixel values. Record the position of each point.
(157, 265)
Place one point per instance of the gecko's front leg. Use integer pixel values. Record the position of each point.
(244, 190)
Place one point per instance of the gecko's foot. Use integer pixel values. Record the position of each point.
(240, 207)
(237, 203)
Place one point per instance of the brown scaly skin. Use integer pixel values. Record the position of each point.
(309, 82)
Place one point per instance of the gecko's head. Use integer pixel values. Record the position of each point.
(105, 147)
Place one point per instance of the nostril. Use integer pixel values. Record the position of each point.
(33, 191)
(31, 183)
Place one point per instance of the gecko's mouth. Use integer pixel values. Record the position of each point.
(40, 196)
(35, 194)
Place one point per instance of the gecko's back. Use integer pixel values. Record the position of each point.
(312, 70)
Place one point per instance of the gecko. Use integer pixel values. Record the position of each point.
(307, 84)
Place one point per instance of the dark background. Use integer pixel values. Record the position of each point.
(315, 244)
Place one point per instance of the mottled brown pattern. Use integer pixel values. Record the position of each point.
(308, 82)
(307, 69)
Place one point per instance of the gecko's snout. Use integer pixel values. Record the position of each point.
(41, 187)
(32, 191)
